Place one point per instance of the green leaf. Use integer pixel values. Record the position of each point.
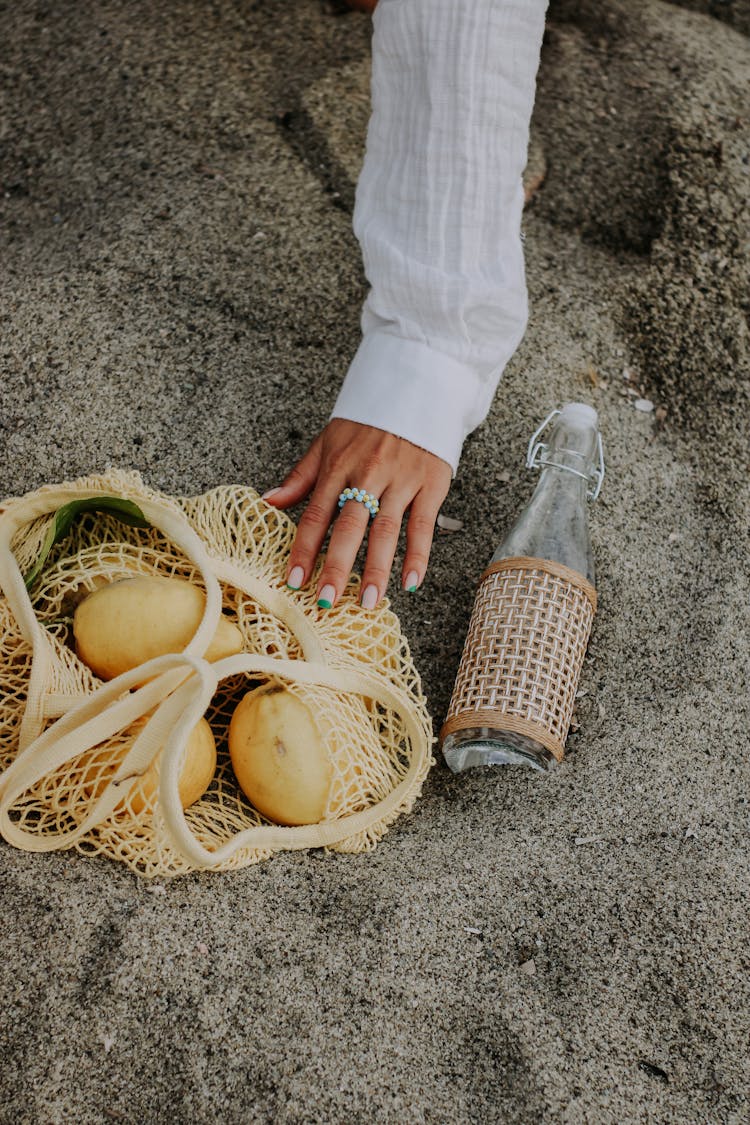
(124, 510)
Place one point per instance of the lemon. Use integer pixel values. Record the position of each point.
(279, 757)
(196, 775)
(125, 623)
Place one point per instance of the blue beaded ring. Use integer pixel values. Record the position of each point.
(370, 502)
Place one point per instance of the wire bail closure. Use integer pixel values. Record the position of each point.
(537, 457)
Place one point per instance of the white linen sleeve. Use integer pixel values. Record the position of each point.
(438, 215)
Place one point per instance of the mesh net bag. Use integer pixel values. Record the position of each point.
(96, 766)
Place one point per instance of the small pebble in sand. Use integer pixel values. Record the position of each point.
(447, 523)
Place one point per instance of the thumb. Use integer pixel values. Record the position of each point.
(299, 481)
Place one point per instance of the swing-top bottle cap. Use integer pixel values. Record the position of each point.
(541, 455)
(581, 413)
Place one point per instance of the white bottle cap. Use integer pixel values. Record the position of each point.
(580, 413)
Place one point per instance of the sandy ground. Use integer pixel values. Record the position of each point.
(180, 294)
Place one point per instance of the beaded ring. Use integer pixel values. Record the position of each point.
(370, 502)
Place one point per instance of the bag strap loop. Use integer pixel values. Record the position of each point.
(179, 689)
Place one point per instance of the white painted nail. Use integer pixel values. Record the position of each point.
(411, 581)
(271, 492)
(369, 597)
(296, 574)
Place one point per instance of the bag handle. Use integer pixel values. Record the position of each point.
(324, 833)
(166, 518)
(28, 508)
(111, 709)
(181, 701)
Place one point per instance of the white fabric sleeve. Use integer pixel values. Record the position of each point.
(438, 215)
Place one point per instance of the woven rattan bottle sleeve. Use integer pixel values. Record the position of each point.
(523, 652)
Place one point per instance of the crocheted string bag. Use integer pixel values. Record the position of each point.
(74, 750)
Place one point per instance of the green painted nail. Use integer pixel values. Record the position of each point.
(411, 589)
(327, 595)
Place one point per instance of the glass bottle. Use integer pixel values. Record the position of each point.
(515, 688)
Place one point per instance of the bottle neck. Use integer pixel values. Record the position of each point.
(575, 483)
(554, 524)
(572, 449)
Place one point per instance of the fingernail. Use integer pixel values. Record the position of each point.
(369, 597)
(271, 492)
(326, 596)
(411, 581)
(294, 581)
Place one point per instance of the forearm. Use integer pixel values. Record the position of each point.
(438, 215)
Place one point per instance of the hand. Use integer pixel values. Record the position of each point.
(403, 476)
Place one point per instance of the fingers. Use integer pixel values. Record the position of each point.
(383, 536)
(311, 531)
(420, 532)
(383, 541)
(347, 535)
(404, 476)
(381, 546)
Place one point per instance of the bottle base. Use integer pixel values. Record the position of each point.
(482, 746)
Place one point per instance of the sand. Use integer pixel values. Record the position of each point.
(180, 294)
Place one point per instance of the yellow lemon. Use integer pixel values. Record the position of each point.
(197, 772)
(125, 623)
(279, 757)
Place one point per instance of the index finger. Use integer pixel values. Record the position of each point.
(311, 531)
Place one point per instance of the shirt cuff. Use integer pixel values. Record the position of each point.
(413, 391)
